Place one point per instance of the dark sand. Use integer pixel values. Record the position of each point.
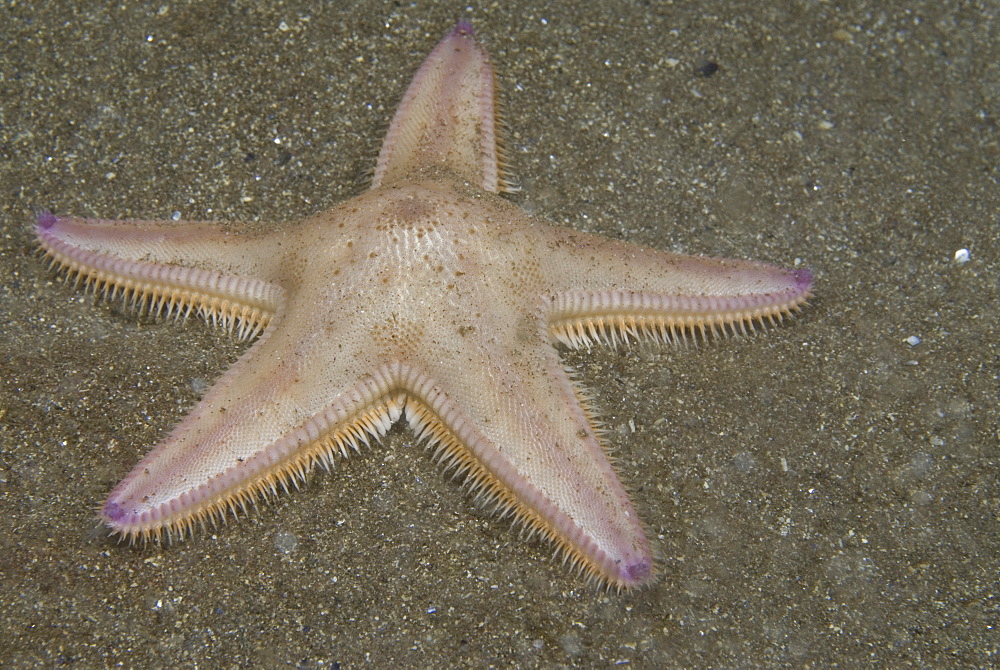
(825, 493)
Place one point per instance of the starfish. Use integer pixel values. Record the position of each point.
(430, 297)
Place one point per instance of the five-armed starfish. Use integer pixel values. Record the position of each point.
(428, 296)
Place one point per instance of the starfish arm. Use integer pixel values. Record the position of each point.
(609, 291)
(166, 267)
(447, 119)
(268, 421)
(508, 417)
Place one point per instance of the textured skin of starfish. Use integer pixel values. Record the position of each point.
(429, 297)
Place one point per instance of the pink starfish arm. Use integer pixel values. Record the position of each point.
(650, 293)
(446, 120)
(167, 267)
(525, 439)
(262, 427)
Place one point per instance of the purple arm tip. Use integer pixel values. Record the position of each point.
(639, 572)
(113, 511)
(45, 220)
(464, 28)
(803, 278)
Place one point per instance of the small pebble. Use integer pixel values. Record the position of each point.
(285, 542)
(706, 68)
